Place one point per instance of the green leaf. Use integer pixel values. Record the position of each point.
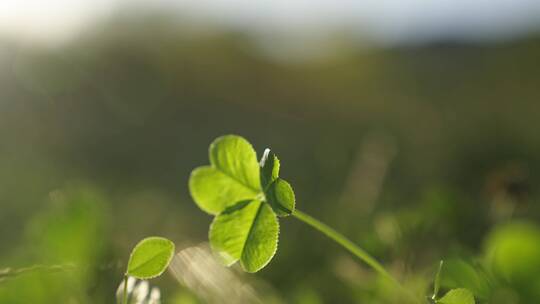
(462, 274)
(269, 168)
(150, 258)
(213, 191)
(247, 232)
(233, 175)
(457, 296)
(235, 156)
(513, 252)
(280, 196)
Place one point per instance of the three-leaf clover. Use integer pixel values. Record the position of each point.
(246, 197)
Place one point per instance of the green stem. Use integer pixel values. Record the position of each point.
(350, 246)
(343, 241)
(8, 273)
(125, 297)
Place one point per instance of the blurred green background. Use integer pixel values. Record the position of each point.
(417, 152)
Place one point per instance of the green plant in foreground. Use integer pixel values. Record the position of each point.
(148, 260)
(247, 197)
(457, 296)
(454, 296)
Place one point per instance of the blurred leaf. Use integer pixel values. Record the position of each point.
(457, 296)
(232, 177)
(60, 254)
(184, 297)
(150, 258)
(307, 295)
(247, 232)
(280, 196)
(514, 252)
(71, 231)
(458, 273)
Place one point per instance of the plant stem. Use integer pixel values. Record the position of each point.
(125, 297)
(350, 246)
(343, 241)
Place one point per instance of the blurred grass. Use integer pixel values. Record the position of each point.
(423, 151)
(61, 248)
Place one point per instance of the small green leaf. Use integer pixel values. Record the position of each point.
(233, 175)
(246, 232)
(280, 196)
(269, 168)
(457, 296)
(150, 258)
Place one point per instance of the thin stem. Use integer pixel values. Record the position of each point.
(8, 273)
(437, 282)
(343, 241)
(125, 297)
(350, 246)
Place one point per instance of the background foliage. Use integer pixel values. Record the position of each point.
(417, 153)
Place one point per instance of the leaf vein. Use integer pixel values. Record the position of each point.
(249, 234)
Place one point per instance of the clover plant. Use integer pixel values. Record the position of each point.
(246, 198)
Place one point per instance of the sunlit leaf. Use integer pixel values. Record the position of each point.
(247, 232)
(214, 191)
(280, 196)
(150, 258)
(233, 175)
(457, 296)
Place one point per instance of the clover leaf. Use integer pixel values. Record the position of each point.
(247, 232)
(233, 175)
(280, 196)
(245, 198)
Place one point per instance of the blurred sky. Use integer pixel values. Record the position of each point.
(383, 21)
